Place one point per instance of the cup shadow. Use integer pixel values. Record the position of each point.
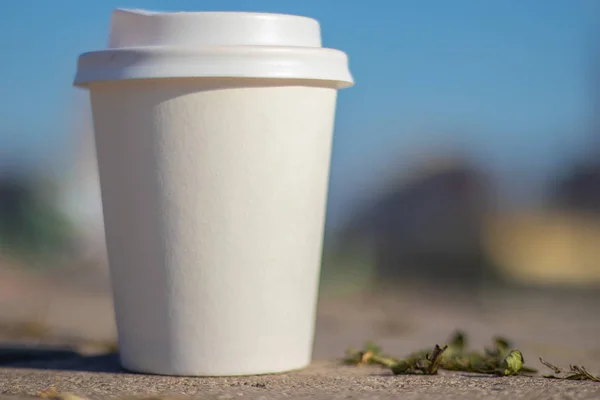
(57, 359)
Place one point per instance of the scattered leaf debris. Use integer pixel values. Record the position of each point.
(575, 372)
(500, 359)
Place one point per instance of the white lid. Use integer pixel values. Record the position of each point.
(146, 44)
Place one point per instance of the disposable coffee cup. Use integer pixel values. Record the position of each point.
(213, 133)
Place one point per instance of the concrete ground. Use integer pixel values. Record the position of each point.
(53, 333)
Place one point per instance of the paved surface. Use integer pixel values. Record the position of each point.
(58, 335)
(322, 380)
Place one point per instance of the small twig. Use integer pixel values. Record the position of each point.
(551, 366)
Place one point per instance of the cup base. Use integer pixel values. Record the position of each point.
(199, 374)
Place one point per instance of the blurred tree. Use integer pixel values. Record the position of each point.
(31, 227)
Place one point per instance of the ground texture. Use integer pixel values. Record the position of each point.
(53, 333)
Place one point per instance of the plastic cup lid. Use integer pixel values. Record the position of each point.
(144, 44)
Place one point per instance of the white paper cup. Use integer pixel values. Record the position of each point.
(214, 192)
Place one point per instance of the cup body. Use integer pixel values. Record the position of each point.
(214, 195)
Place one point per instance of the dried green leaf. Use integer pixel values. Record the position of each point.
(370, 354)
(499, 350)
(512, 364)
(502, 344)
(458, 341)
(401, 367)
(372, 347)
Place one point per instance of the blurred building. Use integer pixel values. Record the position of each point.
(558, 245)
(428, 226)
(579, 189)
(546, 248)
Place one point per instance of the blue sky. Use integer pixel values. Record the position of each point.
(506, 81)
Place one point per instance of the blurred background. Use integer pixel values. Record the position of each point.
(466, 157)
